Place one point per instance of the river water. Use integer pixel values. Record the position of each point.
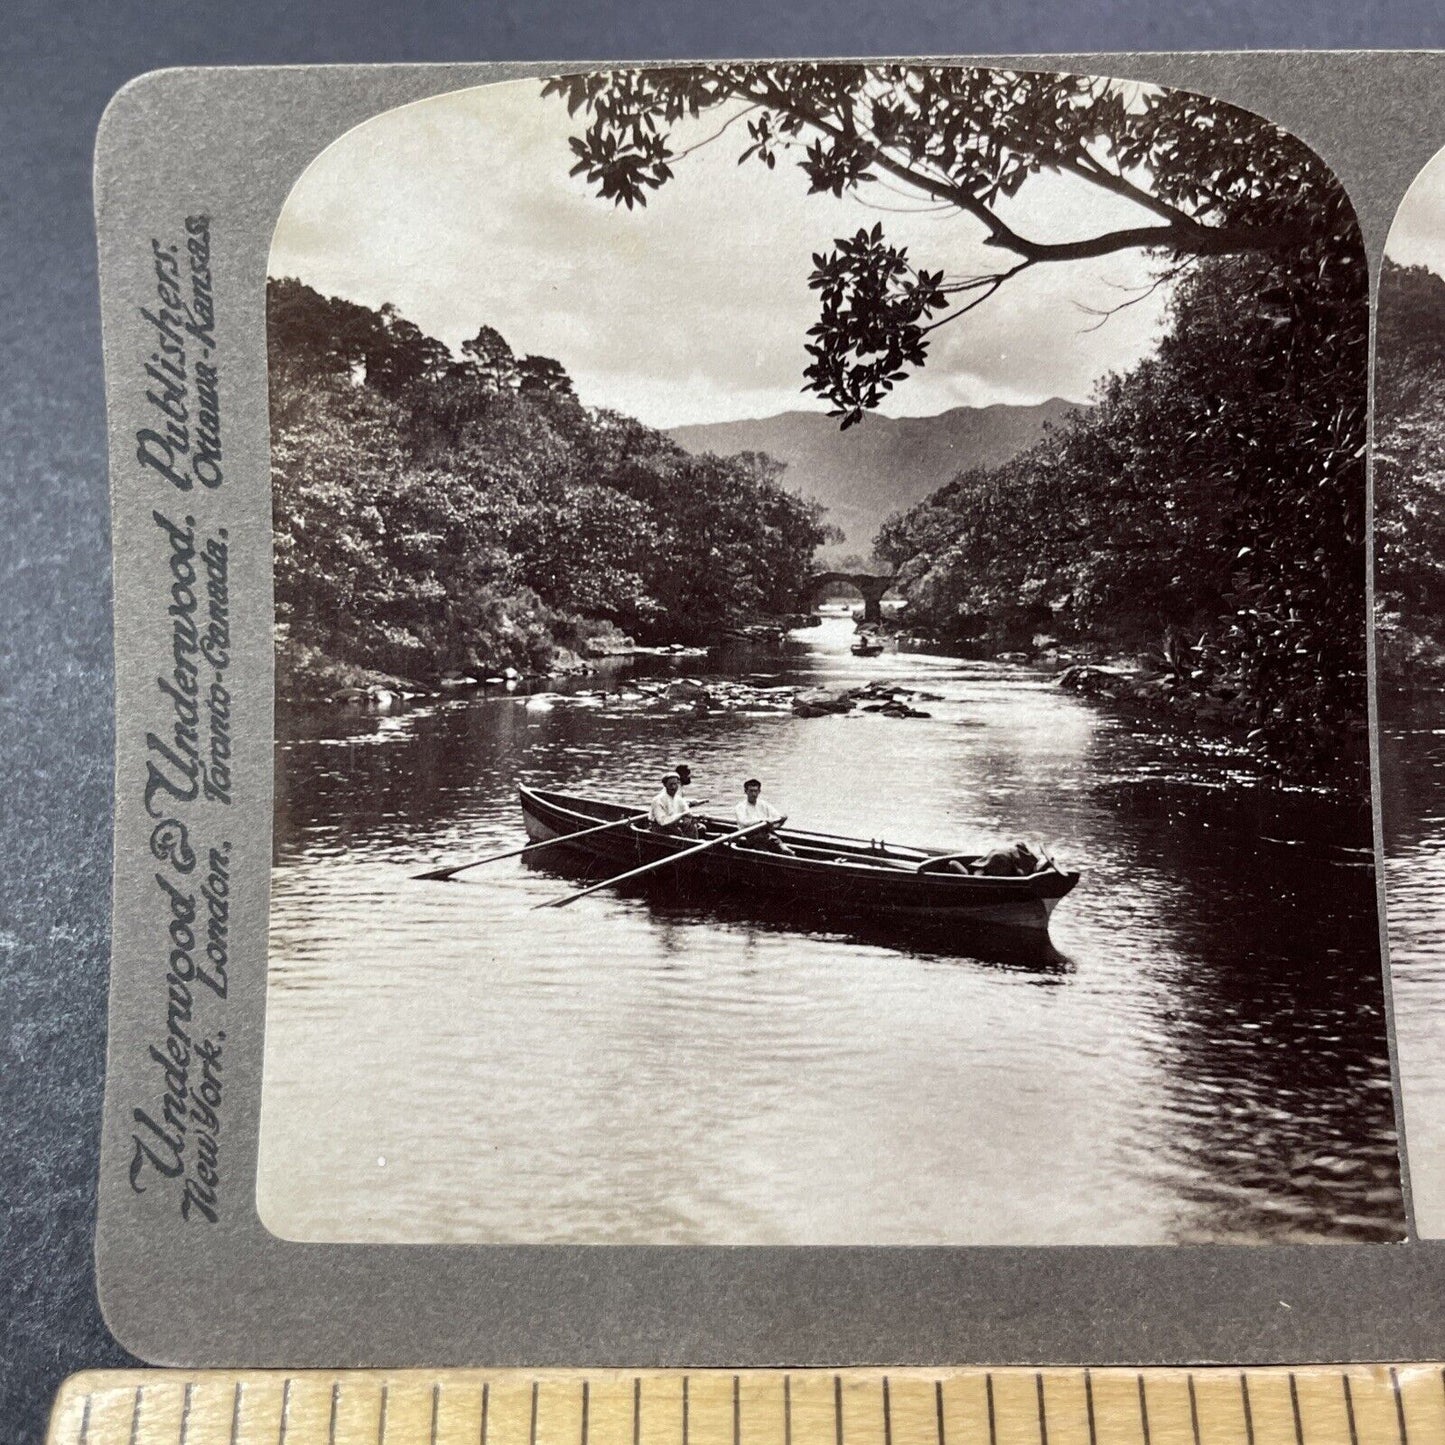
(1199, 1056)
(1412, 769)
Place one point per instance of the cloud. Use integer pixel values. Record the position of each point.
(1417, 235)
(459, 210)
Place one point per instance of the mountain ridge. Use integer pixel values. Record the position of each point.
(884, 465)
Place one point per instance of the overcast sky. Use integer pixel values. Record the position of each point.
(1417, 236)
(459, 210)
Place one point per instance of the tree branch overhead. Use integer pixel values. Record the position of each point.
(1218, 180)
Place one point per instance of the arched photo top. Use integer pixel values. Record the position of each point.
(630, 364)
(697, 244)
(1409, 491)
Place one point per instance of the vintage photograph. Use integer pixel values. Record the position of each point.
(821, 692)
(1409, 453)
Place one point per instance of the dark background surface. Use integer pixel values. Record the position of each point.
(58, 66)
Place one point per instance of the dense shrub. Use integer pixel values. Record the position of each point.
(434, 514)
(1209, 506)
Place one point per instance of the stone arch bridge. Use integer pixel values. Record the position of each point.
(872, 588)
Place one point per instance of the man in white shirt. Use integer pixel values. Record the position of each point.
(754, 810)
(669, 812)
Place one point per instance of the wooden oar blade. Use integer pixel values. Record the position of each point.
(656, 863)
(440, 875)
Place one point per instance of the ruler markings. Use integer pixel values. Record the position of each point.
(1092, 1407)
(1321, 1405)
(965, 1408)
(1359, 1405)
(1271, 1408)
(611, 1408)
(1424, 1406)
(1018, 1408)
(710, 1408)
(1350, 1410)
(661, 1410)
(1375, 1406)
(1171, 1411)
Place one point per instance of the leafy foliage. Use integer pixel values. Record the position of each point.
(435, 514)
(873, 306)
(1205, 178)
(1215, 496)
(1410, 472)
(1209, 508)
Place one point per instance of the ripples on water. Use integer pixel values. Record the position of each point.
(1412, 769)
(1200, 1056)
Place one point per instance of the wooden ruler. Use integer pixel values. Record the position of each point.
(1307, 1405)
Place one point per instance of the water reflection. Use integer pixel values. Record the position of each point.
(683, 900)
(1412, 770)
(1197, 1054)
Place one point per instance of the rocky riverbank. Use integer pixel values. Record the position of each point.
(688, 695)
(1132, 682)
(1133, 685)
(305, 675)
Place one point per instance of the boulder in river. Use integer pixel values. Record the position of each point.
(375, 698)
(1090, 681)
(819, 701)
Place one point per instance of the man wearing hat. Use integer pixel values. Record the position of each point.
(669, 812)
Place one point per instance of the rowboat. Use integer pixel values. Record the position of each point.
(829, 878)
(866, 647)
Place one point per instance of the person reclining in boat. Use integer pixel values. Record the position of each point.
(670, 812)
(684, 778)
(754, 810)
(1018, 861)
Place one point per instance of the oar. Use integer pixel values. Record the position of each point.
(656, 863)
(440, 875)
